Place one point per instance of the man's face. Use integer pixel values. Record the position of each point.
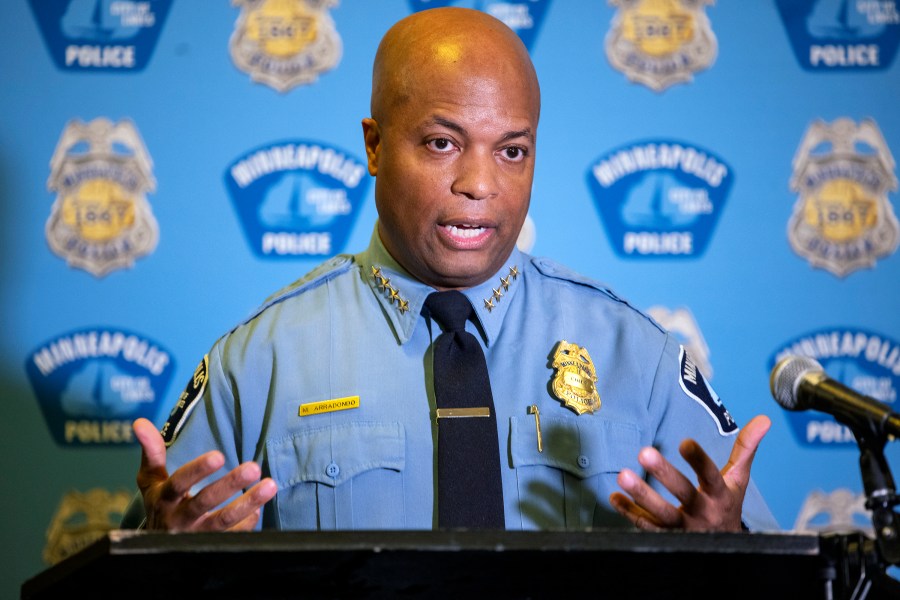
(454, 164)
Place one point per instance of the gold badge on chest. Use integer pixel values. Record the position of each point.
(575, 380)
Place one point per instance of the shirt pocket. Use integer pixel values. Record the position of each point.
(349, 476)
(566, 484)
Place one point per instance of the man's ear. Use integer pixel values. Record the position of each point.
(372, 137)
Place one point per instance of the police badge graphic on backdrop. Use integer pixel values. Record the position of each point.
(522, 16)
(93, 383)
(100, 35)
(861, 359)
(659, 198)
(101, 220)
(842, 219)
(839, 511)
(659, 43)
(680, 322)
(841, 35)
(297, 198)
(81, 519)
(285, 43)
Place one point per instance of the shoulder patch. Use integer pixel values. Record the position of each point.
(694, 385)
(186, 402)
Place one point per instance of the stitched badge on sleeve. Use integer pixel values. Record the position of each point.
(186, 402)
(695, 386)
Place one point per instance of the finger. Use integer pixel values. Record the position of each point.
(153, 453)
(737, 469)
(190, 474)
(634, 513)
(248, 523)
(153, 448)
(671, 478)
(709, 477)
(242, 513)
(648, 499)
(219, 491)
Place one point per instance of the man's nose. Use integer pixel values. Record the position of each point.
(476, 177)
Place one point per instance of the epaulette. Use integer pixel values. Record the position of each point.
(326, 271)
(195, 387)
(551, 268)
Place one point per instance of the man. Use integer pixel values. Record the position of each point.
(321, 408)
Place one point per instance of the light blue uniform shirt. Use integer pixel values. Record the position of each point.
(353, 328)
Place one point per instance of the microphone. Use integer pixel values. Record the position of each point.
(800, 383)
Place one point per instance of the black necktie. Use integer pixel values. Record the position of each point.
(470, 494)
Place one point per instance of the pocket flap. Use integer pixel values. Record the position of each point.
(334, 455)
(581, 446)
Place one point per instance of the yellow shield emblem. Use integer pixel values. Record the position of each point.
(575, 380)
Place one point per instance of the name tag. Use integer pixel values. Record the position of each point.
(326, 406)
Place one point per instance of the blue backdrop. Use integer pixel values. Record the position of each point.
(727, 167)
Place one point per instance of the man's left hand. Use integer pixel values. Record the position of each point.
(714, 505)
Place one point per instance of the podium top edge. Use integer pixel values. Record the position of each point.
(136, 541)
(315, 558)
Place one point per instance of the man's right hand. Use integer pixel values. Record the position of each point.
(167, 499)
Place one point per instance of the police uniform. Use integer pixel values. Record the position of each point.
(328, 387)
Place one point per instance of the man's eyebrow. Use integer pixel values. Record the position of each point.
(449, 124)
(525, 133)
(509, 135)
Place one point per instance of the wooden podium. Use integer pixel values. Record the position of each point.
(467, 565)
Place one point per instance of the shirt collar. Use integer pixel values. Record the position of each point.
(401, 296)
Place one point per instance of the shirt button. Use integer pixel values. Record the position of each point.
(332, 470)
(584, 462)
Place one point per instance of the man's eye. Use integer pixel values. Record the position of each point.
(440, 144)
(515, 153)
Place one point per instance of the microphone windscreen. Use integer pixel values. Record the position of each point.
(786, 376)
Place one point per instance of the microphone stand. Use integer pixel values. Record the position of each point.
(881, 498)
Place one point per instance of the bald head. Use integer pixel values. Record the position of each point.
(451, 143)
(437, 45)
